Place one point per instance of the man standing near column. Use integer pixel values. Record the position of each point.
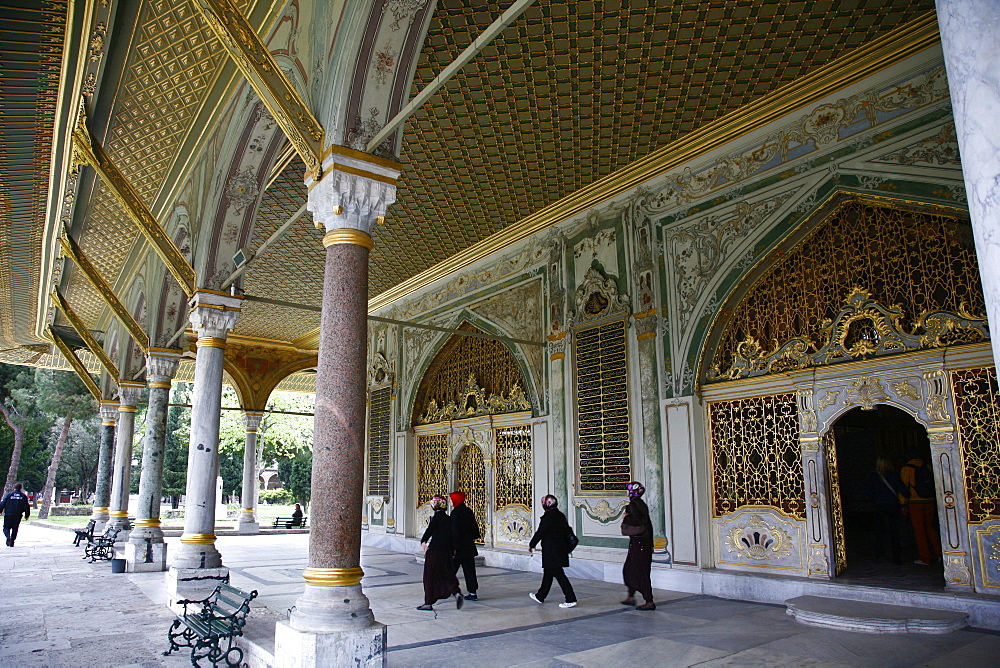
(145, 550)
(196, 566)
(102, 490)
(248, 518)
(121, 480)
(332, 623)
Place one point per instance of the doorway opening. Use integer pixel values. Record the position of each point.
(876, 541)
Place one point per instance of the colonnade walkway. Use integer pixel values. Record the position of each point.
(57, 610)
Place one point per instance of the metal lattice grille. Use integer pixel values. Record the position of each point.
(432, 471)
(755, 455)
(836, 503)
(472, 481)
(918, 261)
(602, 408)
(378, 443)
(977, 404)
(513, 466)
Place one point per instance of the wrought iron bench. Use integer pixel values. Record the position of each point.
(289, 522)
(204, 626)
(103, 546)
(84, 534)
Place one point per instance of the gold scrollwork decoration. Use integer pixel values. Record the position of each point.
(759, 540)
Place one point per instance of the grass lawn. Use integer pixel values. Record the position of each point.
(68, 521)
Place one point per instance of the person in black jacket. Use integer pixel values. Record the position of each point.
(552, 532)
(13, 506)
(639, 562)
(464, 534)
(439, 578)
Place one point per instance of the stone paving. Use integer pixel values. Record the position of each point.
(56, 610)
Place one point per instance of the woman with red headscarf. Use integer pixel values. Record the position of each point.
(464, 534)
(439, 580)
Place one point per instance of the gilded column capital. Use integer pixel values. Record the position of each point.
(109, 413)
(128, 394)
(213, 315)
(251, 419)
(353, 195)
(645, 325)
(161, 366)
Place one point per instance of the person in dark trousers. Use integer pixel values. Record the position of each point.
(888, 495)
(296, 517)
(14, 505)
(464, 534)
(552, 532)
(439, 577)
(921, 506)
(639, 529)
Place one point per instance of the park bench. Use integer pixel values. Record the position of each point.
(289, 522)
(84, 534)
(204, 625)
(103, 546)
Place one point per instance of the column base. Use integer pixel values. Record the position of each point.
(247, 527)
(193, 584)
(349, 647)
(148, 557)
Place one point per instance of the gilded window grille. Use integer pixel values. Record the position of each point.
(755, 455)
(472, 481)
(513, 466)
(379, 410)
(602, 405)
(977, 407)
(490, 363)
(836, 503)
(432, 468)
(918, 261)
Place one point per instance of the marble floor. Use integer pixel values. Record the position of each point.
(56, 610)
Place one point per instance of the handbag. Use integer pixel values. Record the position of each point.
(571, 539)
(632, 529)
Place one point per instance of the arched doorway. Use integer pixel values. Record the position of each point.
(875, 541)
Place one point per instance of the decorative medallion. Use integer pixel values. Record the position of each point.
(866, 391)
(602, 512)
(759, 540)
(597, 298)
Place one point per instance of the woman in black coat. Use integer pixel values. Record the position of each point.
(552, 532)
(439, 578)
(639, 528)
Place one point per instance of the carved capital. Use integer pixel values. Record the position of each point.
(354, 194)
(645, 325)
(129, 393)
(251, 419)
(161, 365)
(109, 412)
(214, 314)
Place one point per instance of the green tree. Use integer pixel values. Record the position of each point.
(63, 394)
(296, 474)
(79, 462)
(22, 417)
(175, 453)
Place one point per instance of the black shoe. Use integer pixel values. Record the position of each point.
(425, 606)
(471, 596)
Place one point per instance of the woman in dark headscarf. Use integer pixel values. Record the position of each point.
(439, 578)
(553, 530)
(639, 528)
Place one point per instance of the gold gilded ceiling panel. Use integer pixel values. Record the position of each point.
(267, 321)
(573, 91)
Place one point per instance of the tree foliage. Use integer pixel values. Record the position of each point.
(23, 421)
(297, 476)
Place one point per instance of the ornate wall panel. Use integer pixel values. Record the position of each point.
(602, 405)
(378, 442)
(977, 404)
(760, 538)
(471, 479)
(513, 466)
(916, 262)
(755, 455)
(432, 467)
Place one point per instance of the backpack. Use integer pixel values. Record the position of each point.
(571, 539)
(923, 482)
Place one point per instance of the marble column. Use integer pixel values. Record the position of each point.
(649, 395)
(145, 550)
(247, 523)
(970, 39)
(332, 622)
(102, 490)
(196, 565)
(121, 478)
(557, 387)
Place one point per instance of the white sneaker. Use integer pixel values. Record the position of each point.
(567, 604)
(535, 598)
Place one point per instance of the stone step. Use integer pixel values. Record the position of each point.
(864, 617)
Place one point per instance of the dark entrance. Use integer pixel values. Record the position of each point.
(867, 443)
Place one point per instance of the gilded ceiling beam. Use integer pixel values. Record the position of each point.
(75, 362)
(84, 333)
(257, 64)
(87, 150)
(75, 253)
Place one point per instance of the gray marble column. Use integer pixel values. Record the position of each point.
(102, 489)
(121, 478)
(247, 523)
(332, 622)
(196, 565)
(970, 38)
(145, 550)
(649, 396)
(557, 401)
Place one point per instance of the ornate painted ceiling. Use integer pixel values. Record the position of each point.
(571, 92)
